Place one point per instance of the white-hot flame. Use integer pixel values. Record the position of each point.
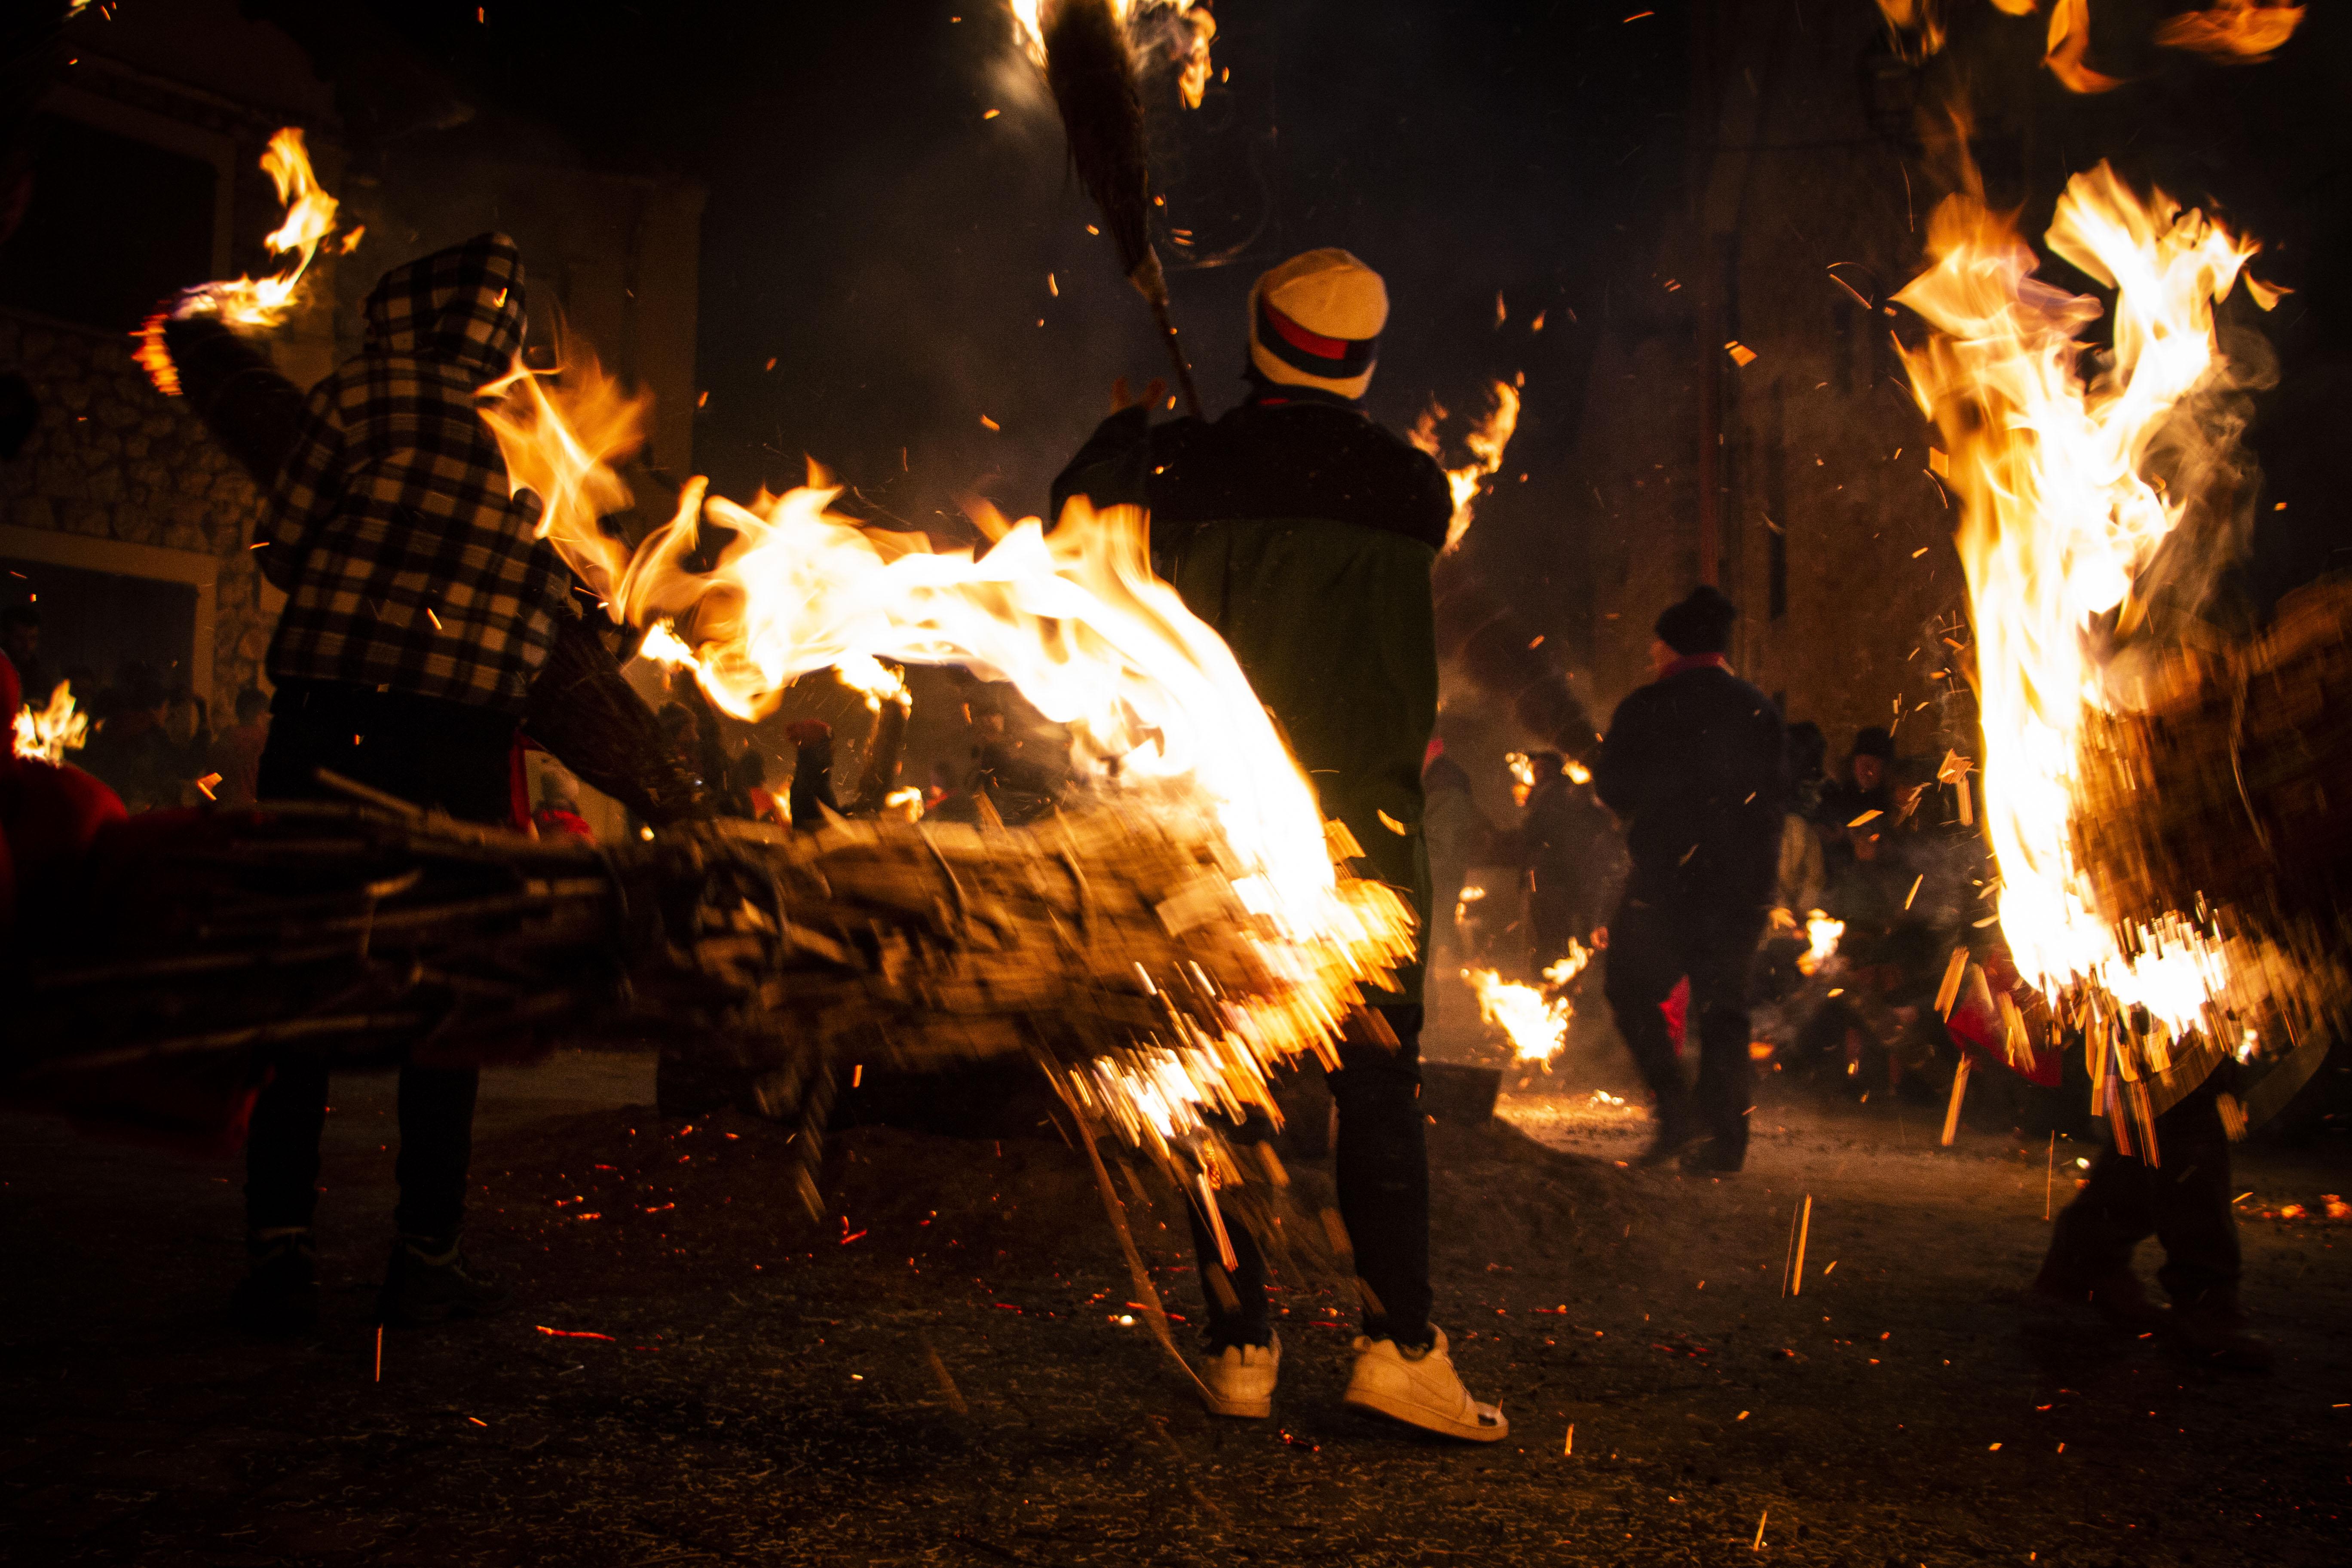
(1822, 934)
(2057, 521)
(1486, 442)
(46, 733)
(258, 302)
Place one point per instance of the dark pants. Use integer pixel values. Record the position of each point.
(1652, 946)
(2183, 1202)
(1381, 1165)
(429, 752)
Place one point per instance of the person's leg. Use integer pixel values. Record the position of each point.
(437, 1147)
(1645, 960)
(1234, 1298)
(2189, 1203)
(281, 1146)
(2091, 1243)
(1725, 947)
(280, 1293)
(1381, 1165)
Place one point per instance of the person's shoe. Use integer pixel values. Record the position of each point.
(430, 1281)
(1420, 1388)
(1671, 1139)
(2213, 1330)
(279, 1294)
(1714, 1157)
(2115, 1294)
(1240, 1380)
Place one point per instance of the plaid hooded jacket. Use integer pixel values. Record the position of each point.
(406, 563)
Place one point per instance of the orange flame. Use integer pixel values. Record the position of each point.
(45, 734)
(1185, 31)
(2058, 521)
(2235, 32)
(1535, 1019)
(1160, 717)
(1485, 441)
(246, 302)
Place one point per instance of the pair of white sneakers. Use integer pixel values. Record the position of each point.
(1418, 1387)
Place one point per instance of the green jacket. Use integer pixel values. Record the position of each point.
(1304, 533)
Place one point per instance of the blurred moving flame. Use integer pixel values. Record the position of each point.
(1485, 441)
(2057, 520)
(1160, 717)
(1822, 934)
(2235, 32)
(45, 734)
(247, 302)
(1184, 31)
(1534, 1018)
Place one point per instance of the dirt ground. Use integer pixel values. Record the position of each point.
(939, 1372)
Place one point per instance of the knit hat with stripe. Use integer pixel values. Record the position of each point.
(1316, 321)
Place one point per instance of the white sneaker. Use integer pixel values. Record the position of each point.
(1421, 1389)
(1240, 1381)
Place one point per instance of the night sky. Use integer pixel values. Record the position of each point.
(889, 247)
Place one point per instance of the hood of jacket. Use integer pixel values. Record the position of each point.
(464, 305)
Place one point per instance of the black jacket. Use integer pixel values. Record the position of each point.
(1304, 533)
(1696, 764)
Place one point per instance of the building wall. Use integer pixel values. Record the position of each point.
(118, 479)
(1835, 542)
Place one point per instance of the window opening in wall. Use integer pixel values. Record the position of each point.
(114, 224)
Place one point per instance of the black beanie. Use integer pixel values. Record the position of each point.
(1873, 741)
(1700, 624)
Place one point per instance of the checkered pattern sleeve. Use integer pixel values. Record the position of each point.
(412, 569)
(307, 490)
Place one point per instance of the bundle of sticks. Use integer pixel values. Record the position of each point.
(2224, 788)
(2211, 804)
(1107, 946)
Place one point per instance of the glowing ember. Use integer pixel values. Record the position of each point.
(2057, 522)
(48, 733)
(247, 302)
(1486, 442)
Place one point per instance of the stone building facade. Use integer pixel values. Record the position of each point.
(1748, 421)
(119, 497)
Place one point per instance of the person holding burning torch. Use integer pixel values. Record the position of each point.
(420, 606)
(1305, 533)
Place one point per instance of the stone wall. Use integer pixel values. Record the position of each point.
(114, 461)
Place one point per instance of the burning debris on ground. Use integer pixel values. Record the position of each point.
(606, 693)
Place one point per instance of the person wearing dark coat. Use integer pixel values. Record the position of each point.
(1305, 534)
(1696, 765)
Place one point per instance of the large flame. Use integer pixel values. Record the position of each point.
(1183, 29)
(2058, 519)
(1485, 441)
(753, 596)
(46, 733)
(258, 302)
(1534, 1018)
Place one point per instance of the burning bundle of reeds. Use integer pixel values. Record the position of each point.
(1111, 947)
(2223, 790)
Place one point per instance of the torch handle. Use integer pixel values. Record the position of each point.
(1176, 356)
